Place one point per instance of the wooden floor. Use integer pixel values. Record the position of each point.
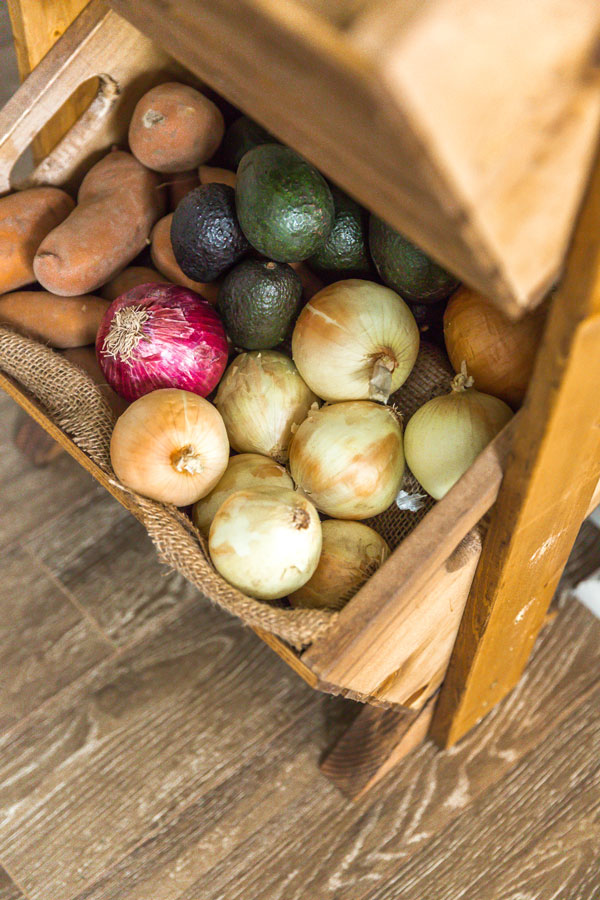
(153, 749)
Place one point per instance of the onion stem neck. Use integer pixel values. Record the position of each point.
(125, 332)
(462, 380)
(187, 460)
(380, 382)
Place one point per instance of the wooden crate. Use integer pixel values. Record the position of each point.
(392, 643)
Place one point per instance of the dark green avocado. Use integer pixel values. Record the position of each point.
(242, 135)
(258, 301)
(406, 268)
(284, 204)
(205, 233)
(345, 252)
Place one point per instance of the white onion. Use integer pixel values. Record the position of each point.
(355, 340)
(348, 459)
(444, 437)
(262, 398)
(171, 446)
(246, 470)
(265, 541)
(351, 553)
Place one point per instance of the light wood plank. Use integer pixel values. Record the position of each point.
(310, 842)
(121, 752)
(8, 889)
(547, 489)
(106, 560)
(45, 644)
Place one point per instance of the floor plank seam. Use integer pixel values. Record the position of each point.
(15, 881)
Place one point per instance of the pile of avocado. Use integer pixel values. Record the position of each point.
(283, 211)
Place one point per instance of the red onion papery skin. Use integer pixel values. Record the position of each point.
(161, 336)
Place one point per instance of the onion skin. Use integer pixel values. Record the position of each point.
(262, 399)
(165, 431)
(447, 434)
(161, 336)
(499, 354)
(348, 459)
(355, 340)
(246, 470)
(266, 541)
(351, 553)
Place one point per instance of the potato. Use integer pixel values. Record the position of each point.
(58, 321)
(128, 278)
(25, 219)
(161, 251)
(180, 184)
(118, 203)
(210, 174)
(174, 128)
(85, 358)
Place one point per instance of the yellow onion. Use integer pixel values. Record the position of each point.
(247, 470)
(265, 541)
(355, 340)
(445, 435)
(348, 458)
(171, 446)
(262, 398)
(351, 553)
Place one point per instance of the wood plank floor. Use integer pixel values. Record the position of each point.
(151, 748)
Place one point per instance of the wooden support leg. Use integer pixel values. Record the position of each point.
(547, 488)
(375, 742)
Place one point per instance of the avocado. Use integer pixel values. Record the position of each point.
(205, 233)
(345, 252)
(406, 268)
(258, 301)
(284, 204)
(242, 135)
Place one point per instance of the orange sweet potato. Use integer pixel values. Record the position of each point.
(58, 321)
(180, 184)
(174, 128)
(129, 278)
(25, 219)
(211, 174)
(118, 203)
(161, 251)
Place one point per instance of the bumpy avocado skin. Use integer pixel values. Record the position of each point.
(205, 233)
(345, 252)
(242, 135)
(406, 268)
(284, 204)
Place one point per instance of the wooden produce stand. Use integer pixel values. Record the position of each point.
(482, 157)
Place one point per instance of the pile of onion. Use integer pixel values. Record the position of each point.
(262, 399)
(265, 541)
(171, 446)
(447, 434)
(355, 340)
(351, 553)
(161, 336)
(348, 459)
(247, 470)
(499, 354)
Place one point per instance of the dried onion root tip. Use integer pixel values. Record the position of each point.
(380, 383)
(462, 380)
(125, 332)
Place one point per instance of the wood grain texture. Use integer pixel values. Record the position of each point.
(274, 830)
(546, 492)
(106, 560)
(8, 889)
(45, 644)
(34, 442)
(411, 108)
(36, 28)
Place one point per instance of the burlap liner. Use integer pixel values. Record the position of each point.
(74, 403)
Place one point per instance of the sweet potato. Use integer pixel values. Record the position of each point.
(180, 184)
(128, 278)
(118, 203)
(210, 174)
(58, 321)
(174, 128)
(85, 358)
(163, 258)
(25, 219)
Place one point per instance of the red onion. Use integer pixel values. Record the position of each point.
(161, 336)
